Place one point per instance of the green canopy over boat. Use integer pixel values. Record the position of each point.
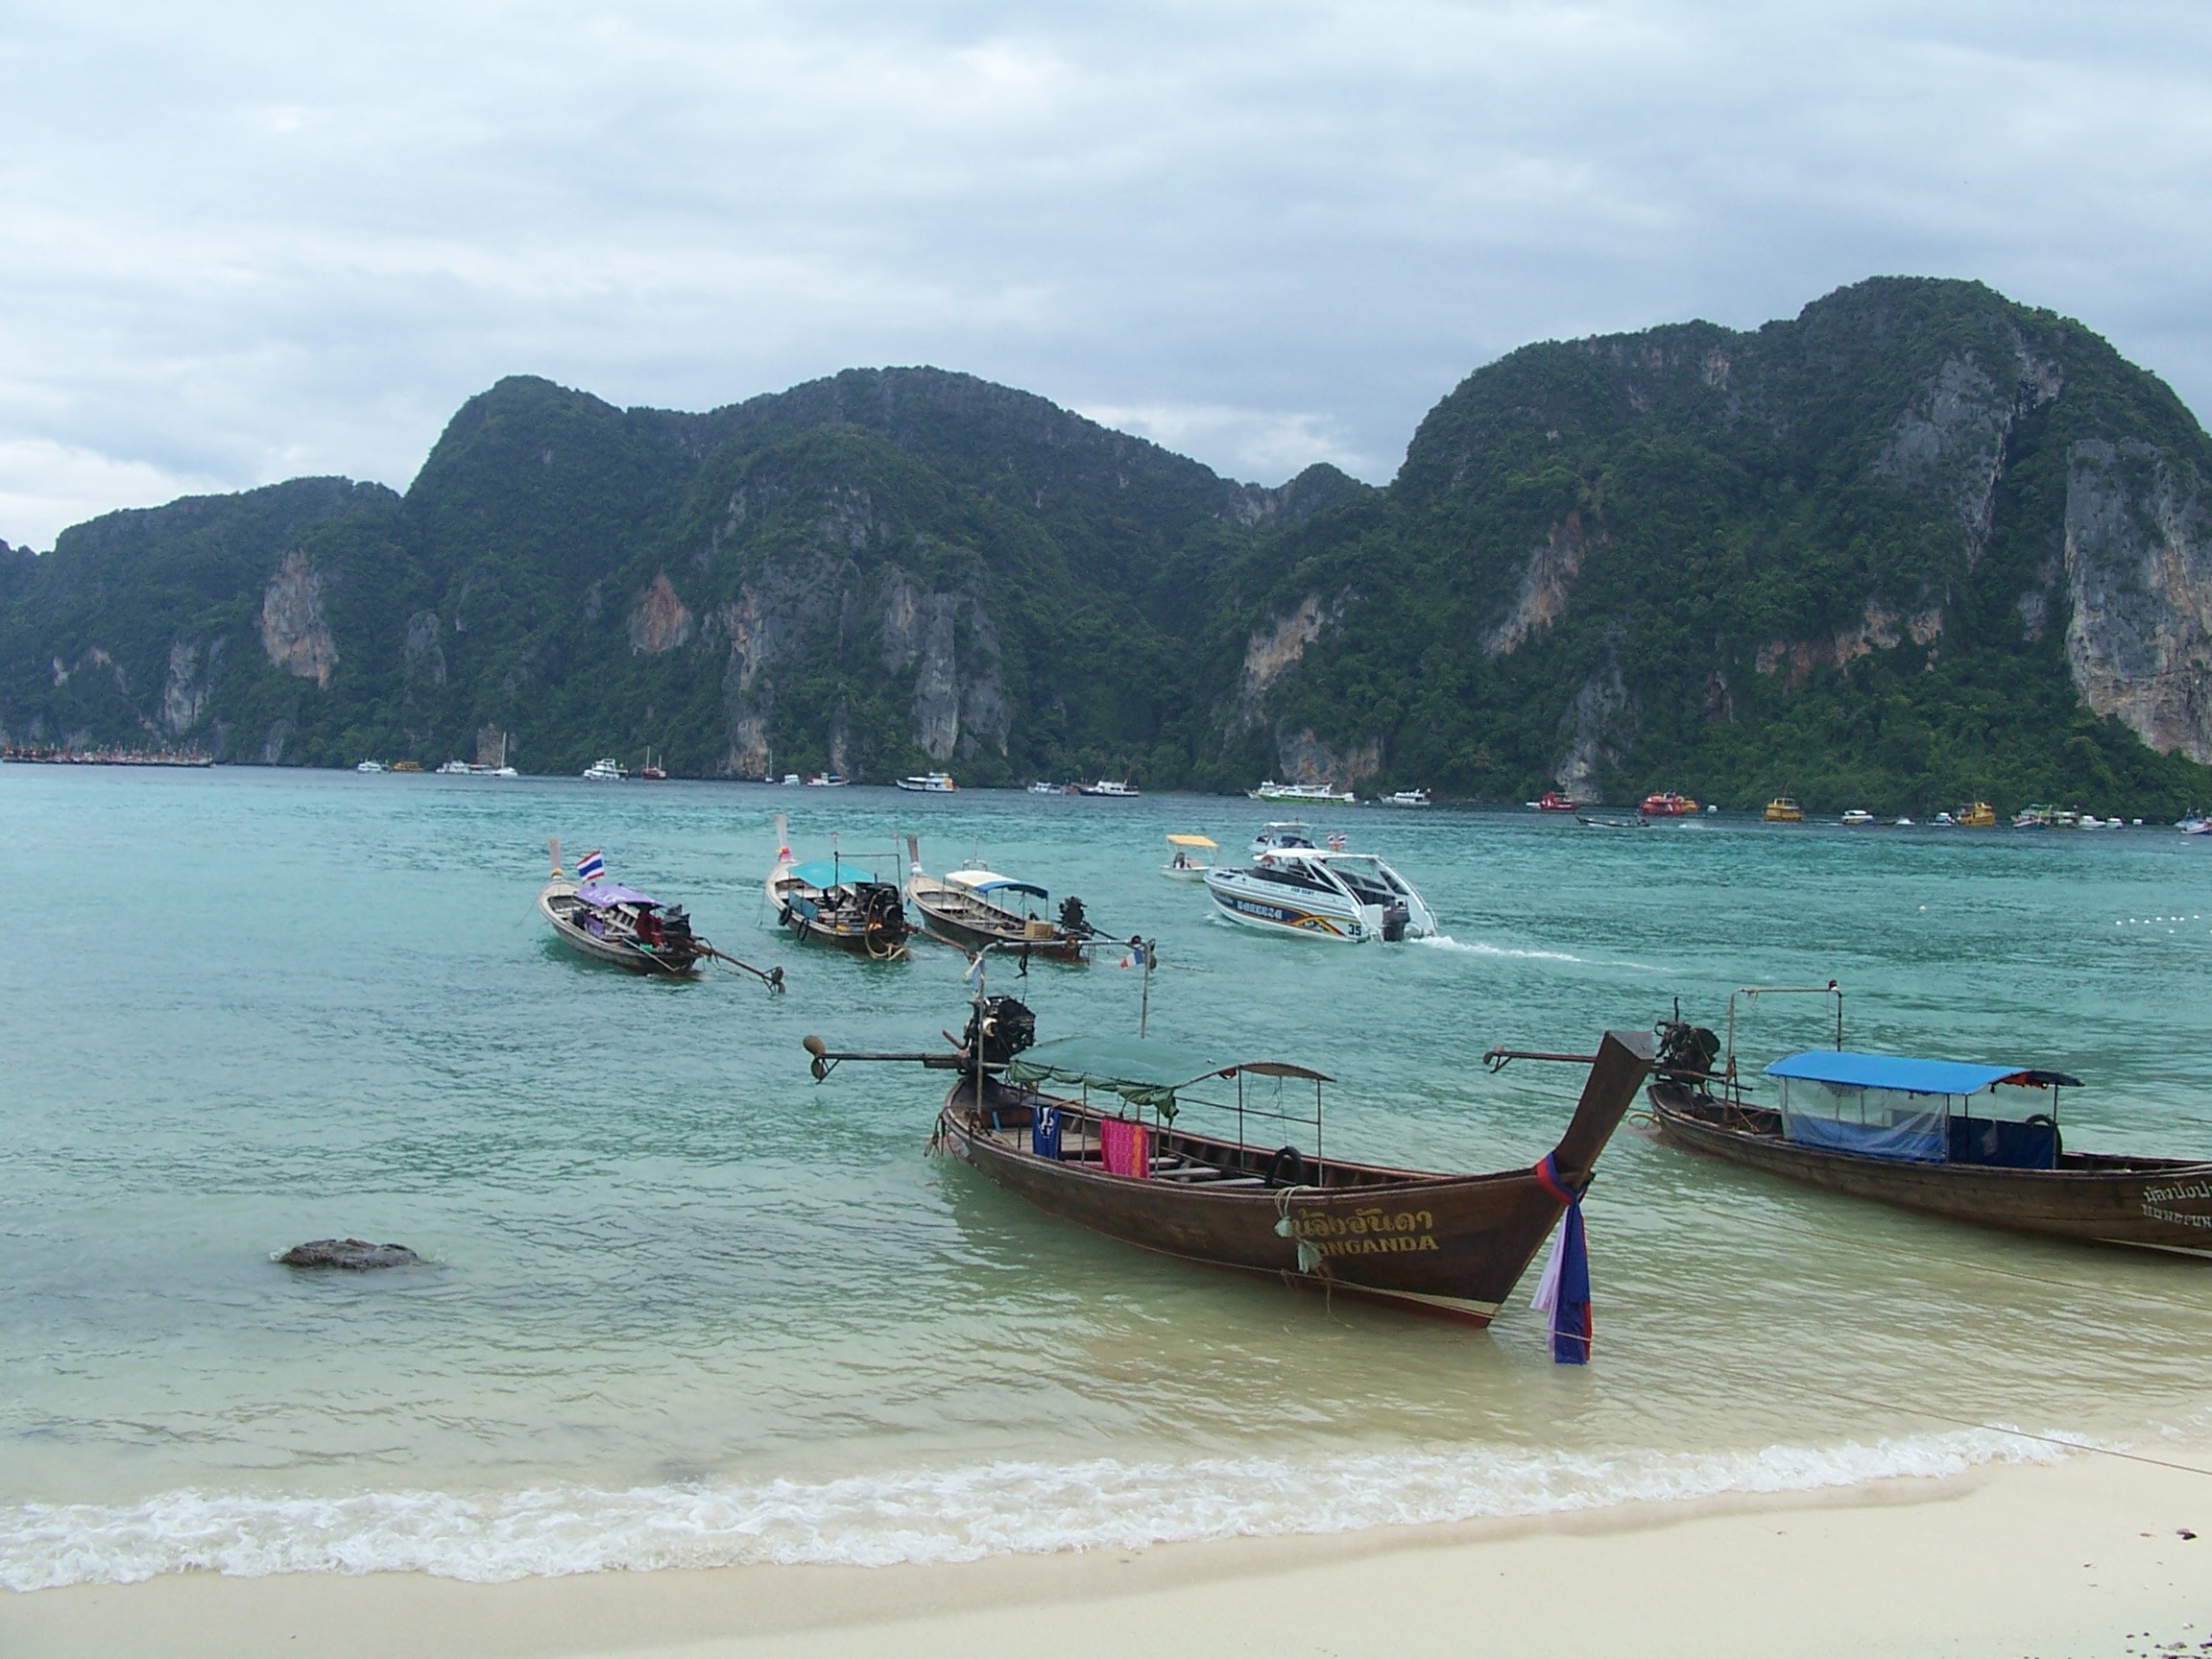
(1144, 1073)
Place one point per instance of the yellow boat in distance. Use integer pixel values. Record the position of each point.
(1979, 816)
(1784, 809)
(406, 765)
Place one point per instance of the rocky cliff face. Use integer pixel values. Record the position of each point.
(293, 632)
(2138, 574)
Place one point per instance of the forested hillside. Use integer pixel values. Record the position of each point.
(1915, 545)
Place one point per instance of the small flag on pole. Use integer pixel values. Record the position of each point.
(590, 868)
(1564, 1290)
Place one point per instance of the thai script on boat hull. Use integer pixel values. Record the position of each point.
(2157, 1202)
(1366, 1231)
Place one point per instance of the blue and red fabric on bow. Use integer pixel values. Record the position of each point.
(1564, 1290)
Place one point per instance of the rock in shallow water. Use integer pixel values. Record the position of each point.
(354, 1254)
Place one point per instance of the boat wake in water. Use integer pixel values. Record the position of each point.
(1445, 942)
(883, 1520)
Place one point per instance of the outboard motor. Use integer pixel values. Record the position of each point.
(881, 908)
(1395, 917)
(1684, 1047)
(676, 925)
(1072, 921)
(1008, 1026)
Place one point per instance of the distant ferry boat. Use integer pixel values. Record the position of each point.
(826, 781)
(604, 770)
(1554, 801)
(1109, 787)
(1270, 790)
(1041, 787)
(1668, 804)
(928, 783)
(1784, 809)
(370, 766)
(1405, 798)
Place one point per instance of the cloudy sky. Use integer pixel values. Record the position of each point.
(245, 241)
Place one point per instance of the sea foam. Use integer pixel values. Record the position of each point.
(881, 1520)
(1445, 942)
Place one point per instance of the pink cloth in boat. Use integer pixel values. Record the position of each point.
(1125, 1146)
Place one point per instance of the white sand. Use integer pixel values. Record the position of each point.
(2085, 1559)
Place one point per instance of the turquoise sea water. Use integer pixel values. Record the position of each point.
(687, 1307)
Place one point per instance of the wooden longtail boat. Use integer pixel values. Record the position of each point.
(971, 909)
(1906, 1132)
(830, 902)
(610, 922)
(1088, 1130)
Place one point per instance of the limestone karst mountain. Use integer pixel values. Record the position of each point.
(1917, 544)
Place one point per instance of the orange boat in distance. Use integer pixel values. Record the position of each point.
(1669, 805)
(1554, 801)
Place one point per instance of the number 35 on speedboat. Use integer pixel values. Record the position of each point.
(1322, 894)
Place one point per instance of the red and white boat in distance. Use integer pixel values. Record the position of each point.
(1668, 806)
(1554, 801)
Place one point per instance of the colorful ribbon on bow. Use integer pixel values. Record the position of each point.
(1564, 1290)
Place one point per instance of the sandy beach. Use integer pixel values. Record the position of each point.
(2091, 1556)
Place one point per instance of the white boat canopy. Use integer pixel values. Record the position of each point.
(985, 881)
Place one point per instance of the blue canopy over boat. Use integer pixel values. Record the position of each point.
(1906, 1076)
(830, 873)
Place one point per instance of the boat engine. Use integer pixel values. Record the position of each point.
(1072, 921)
(1684, 1047)
(676, 925)
(1008, 1027)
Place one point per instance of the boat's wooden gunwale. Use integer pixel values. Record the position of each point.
(2098, 1198)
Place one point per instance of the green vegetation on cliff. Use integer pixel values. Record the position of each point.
(1863, 556)
(1916, 546)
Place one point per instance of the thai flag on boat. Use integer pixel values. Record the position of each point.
(1564, 1290)
(590, 868)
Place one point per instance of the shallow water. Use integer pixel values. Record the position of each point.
(689, 1306)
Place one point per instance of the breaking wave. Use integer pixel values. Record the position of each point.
(920, 1517)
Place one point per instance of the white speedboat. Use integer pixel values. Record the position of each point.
(604, 770)
(1404, 798)
(1041, 787)
(1270, 790)
(826, 781)
(1322, 895)
(1858, 815)
(370, 766)
(1111, 788)
(1189, 863)
(928, 783)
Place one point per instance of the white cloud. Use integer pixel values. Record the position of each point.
(246, 240)
(49, 485)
